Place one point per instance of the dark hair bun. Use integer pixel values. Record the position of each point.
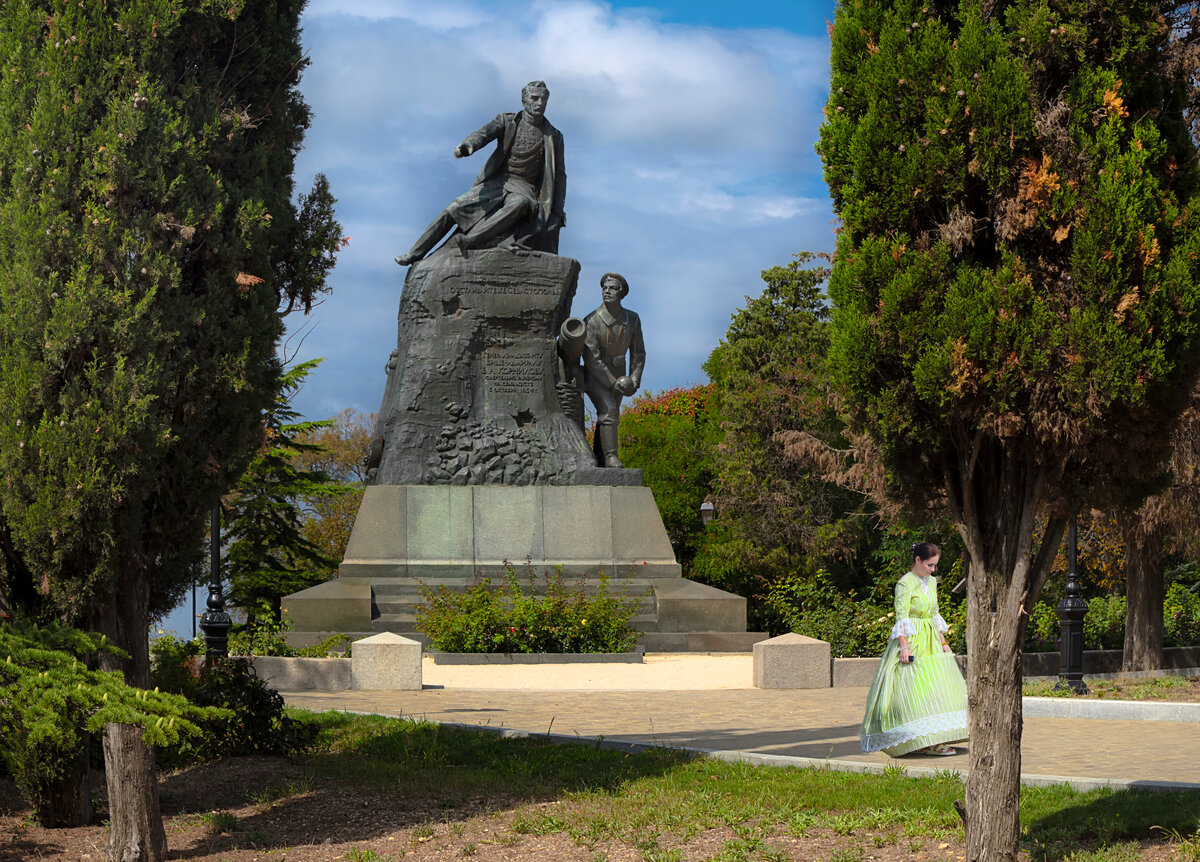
(924, 550)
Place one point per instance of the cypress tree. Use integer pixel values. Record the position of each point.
(1015, 291)
(149, 241)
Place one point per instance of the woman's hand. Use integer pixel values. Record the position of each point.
(905, 655)
(945, 647)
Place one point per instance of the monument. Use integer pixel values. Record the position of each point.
(479, 454)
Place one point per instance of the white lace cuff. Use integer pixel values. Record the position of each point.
(940, 623)
(904, 627)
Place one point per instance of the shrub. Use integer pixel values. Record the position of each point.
(513, 618)
(253, 719)
(955, 615)
(51, 700)
(1043, 631)
(814, 607)
(266, 637)
(1181, 616)
(1104, 623)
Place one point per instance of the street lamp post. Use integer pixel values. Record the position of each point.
(707, 512)
(215, 623)
(1071, 609)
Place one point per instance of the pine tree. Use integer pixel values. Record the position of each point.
(269, 556)
(1015, 291)
(148, 243)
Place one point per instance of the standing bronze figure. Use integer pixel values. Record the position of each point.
(612, 331)
(517, 199)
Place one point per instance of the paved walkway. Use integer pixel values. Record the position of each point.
(707, 703)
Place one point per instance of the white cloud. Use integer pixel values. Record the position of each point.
(438, 16)
(688, 150)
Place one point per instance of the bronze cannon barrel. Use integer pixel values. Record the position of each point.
(570, 340)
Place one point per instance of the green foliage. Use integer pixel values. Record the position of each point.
(269, 556)
(342, 448)
(149, 236)
(772, 381)
(1044, 631)
(814, 607)
(1181, 616)
(1019, 250)
(267, 638)
(1104, 623)
(250, 719)
(672, 437)
(51, 698)
(515, 617)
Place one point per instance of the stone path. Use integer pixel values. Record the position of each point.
(802, 727)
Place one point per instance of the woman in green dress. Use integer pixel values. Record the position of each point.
(918, 701)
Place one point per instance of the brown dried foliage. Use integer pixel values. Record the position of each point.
(858, 468)
(1035, 186)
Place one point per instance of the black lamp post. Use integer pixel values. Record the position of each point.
(1071, 609)
(215, 623)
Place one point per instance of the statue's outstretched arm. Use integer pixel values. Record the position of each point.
(490, 132)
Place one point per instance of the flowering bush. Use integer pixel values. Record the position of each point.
(512, 618)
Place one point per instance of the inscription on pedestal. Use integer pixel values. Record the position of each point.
(506, 288)
(510, 372)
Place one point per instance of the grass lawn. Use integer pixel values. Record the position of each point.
(382, 790)
(1178, 689)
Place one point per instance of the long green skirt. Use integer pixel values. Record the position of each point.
(913, 706)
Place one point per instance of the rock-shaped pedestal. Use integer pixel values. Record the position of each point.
(473, 390)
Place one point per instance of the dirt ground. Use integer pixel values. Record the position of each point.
(263, 808)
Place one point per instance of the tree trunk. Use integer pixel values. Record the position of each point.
(995, 496)
(1143, 599)
(134, 821)
(135, 830)
(992, 820)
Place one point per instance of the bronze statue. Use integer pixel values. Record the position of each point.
(612, 331)
(517, 199)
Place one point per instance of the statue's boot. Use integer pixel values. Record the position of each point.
(437, 229)
(607, 435)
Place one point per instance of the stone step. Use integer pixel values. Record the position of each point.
(404, 623)
(403, 604)
(413, 586)
(655, 641)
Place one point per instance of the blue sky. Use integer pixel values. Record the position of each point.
(689, 129)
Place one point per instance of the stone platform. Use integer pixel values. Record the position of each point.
(406, 536)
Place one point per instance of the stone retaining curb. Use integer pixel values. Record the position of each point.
(781, 760)
(465, 658)
(1117, 710)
